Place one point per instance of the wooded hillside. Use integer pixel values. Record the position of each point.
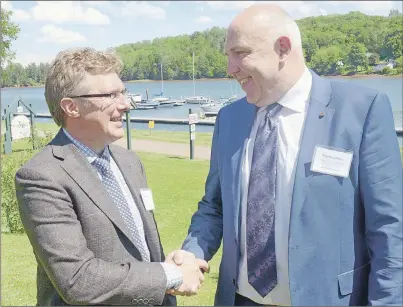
(333, 44)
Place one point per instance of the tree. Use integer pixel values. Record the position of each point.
(32, 73)
(393, 13)
(394, 43)
(9, 32)
(399, 65)
(17, 74)
(373, 59)
(327, 60)
(357, 56)
(310, 47)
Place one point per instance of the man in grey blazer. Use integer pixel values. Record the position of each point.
(85, 204)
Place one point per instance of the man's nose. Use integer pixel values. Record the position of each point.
(123, 104)
(232, 67)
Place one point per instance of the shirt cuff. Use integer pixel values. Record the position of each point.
(173, 274)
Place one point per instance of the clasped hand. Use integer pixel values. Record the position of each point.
(192, 269)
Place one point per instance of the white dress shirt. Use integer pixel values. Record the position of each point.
(290, 125)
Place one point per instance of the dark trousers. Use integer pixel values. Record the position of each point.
(244, 301)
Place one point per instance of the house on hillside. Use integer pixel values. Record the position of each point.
(392, 61)
(339, 63)
(380, 67)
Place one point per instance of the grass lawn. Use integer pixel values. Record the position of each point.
(18, 271)
(175, 201)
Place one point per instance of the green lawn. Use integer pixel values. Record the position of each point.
(175, 201)
(18, 271)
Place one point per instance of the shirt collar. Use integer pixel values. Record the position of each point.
(88, 152)
(296, 98)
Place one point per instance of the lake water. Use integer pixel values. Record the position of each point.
(214, 89)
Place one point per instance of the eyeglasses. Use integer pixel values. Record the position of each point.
(113, 95)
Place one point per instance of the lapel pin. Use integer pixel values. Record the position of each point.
(321, 114)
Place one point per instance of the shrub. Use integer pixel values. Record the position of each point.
(368, 70)
(10, 212)
(399, 63)
(386, 70)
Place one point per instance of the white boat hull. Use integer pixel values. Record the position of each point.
(197, 100)
(145, 105)
(160, 99)
(210, 108)
(135, 97)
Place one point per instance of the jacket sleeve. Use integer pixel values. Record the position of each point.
(380, 180)
(206, 229)
(52, 226)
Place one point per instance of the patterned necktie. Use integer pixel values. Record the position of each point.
(112, 186)
(261, 253)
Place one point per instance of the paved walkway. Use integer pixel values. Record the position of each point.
(168, 148)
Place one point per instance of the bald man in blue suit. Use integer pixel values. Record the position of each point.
(305, 181)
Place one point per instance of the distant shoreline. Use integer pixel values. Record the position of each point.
(215, 79)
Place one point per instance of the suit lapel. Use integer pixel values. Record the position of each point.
(242, 132)
(80, 170)
(316, 132)
(130, 170)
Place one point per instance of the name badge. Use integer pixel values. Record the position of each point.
(147, 197)
(331, 161)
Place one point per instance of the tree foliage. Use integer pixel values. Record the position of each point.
(9, 32)
(332, 44)
(31, 75)
(361, 40)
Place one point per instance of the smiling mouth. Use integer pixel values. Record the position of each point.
(116, 119)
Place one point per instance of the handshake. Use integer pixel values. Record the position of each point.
(192, 270)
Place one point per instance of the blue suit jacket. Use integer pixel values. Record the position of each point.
(345, 240)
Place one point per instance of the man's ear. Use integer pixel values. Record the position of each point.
(70, 108)
(284, 47)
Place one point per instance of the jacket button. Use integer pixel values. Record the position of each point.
(233, 281)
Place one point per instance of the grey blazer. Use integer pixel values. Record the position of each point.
(83, 248)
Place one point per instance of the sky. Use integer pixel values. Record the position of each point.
(48, 27)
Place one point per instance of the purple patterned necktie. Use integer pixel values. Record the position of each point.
(261, 253)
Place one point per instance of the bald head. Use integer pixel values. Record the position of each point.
(267, 22)
(264, 51)
(260, 12)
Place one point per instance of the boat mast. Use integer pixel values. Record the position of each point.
(162, 82)
(194, 89)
